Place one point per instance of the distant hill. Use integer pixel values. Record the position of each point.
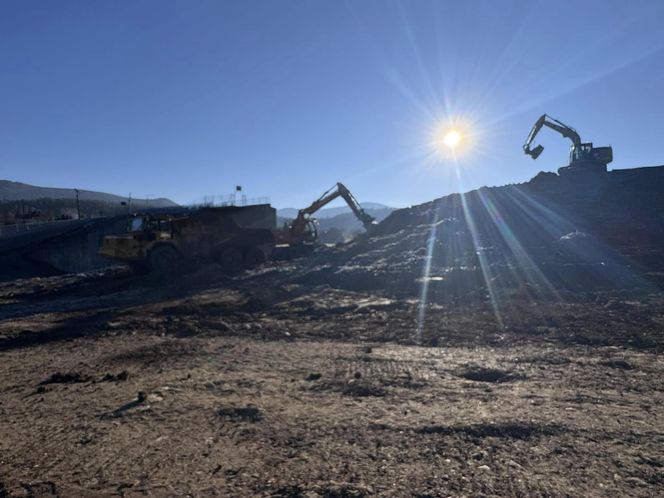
(334, 211)
(348, 223)
(14, 191)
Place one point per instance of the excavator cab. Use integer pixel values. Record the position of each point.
(584, 158)
(312, 230)
(586, 152)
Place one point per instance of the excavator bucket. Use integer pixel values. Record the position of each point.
(535, 152)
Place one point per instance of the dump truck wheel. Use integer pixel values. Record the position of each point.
(139, 267)
(163, 259)
(300, 250)
(231, 259)
(254, 256)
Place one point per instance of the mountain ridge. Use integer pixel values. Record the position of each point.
(15, 191)
(333, 211)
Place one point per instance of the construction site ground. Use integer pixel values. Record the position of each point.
(210, 385)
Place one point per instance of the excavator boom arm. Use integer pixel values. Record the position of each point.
(554, 124)
(339, 190)
(319, 203)
(367, 220)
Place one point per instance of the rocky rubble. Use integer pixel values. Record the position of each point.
(550, 235)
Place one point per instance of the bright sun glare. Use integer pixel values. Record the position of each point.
(452, 139)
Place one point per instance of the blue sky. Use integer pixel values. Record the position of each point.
(189, 98)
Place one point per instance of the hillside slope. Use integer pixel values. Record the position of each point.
(548, 235)
(13, 191)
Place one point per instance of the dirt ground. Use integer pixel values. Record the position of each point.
(116, 385)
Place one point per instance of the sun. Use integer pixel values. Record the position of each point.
(452, 138)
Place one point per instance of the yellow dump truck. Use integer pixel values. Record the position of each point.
(235, 237)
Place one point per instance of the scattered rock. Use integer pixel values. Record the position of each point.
(313, 376)
(648, 460)
(511, 430)
(362, 390)
(635, 481)
(493, 375)
(288, 492)
(141, 397)
(66, 378)
(86, 439)
(545, 359)
(480, 455)
(341, 492)
(154, 397)
(618, 364)
(44, 489)
(247, 413)
(430, 342)
(124, 375)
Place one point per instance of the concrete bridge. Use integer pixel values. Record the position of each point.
(57, 247)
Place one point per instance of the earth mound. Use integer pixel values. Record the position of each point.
(550, 235)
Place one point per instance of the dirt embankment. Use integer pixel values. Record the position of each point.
(258, 386)
(542, 238)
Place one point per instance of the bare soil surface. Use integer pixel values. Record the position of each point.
(257, 385)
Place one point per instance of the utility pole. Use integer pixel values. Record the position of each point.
(78, 204)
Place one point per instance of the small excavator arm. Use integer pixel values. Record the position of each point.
(339, 190)
(554, 124)
(321, 202)
(367, 220)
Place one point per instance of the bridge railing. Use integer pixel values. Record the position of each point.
(33, 226)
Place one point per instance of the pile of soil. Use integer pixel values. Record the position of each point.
(550, 235)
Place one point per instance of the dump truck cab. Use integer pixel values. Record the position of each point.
(144, 233)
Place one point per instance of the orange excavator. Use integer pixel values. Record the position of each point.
(302, 231)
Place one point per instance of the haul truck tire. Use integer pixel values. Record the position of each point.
(164, 260)
(254, 256)
(231, 259)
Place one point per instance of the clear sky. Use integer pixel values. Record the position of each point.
(189, 98)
